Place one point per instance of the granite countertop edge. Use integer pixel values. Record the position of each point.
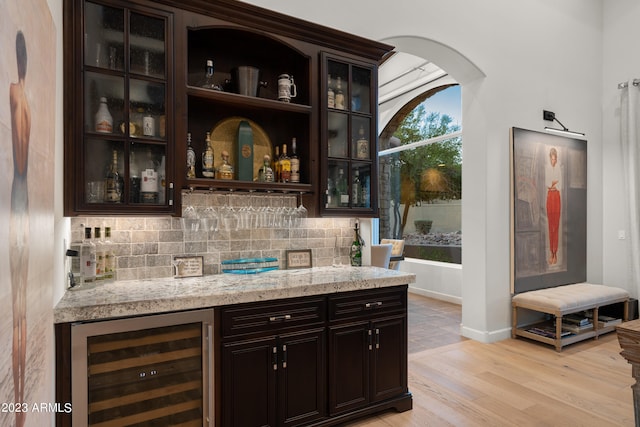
(164, 295)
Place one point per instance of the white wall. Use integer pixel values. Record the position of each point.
(621, 62)
(536, 54)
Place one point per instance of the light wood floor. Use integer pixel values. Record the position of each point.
(460, 382)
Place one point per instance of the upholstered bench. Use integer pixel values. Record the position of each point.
(561, 301)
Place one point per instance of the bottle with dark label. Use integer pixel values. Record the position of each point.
(276, 164)
(295, 163)
(191, 159)
(112, 184)
(356, 249)
(356, 190)
(207, 158)
(88, 257)
(285, 165)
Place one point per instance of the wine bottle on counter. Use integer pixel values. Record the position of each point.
(207, 158)
(285, 165)
(356, 249)
(97, 235)
(191, 159)
(295, 163)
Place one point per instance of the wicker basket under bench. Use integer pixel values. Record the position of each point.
(563, 300)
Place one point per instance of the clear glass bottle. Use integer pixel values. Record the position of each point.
(109, 257)
(191, 159)
(207, 82)
(207, 158)
(339, 94)
(104, 120)
(331, 95)
(362, 145)
(88, 257)
(285, 165)
(100, 256)
(276, 164)
(149, 183)
(265, 174)
(342, 189)
(225, 170)
(295, 162)
(356, 249)
(330, 193)
(356, 189)
(113, 182)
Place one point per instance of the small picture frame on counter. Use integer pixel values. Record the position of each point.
(187, 266)
(299, 258)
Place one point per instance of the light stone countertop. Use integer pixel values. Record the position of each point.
(150, 296)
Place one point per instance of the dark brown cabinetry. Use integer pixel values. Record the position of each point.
(149, 58)
(367, 349)
(273, 360)
(118, 87)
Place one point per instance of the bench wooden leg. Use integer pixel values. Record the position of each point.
(559, 333)
(514, 321)
(625, 315)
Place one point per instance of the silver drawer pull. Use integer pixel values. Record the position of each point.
(373, 304)
(277, 318)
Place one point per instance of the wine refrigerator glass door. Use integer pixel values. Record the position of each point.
(155, 370)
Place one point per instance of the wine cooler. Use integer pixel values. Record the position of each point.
(152, 371)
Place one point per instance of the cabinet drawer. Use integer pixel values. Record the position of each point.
(368, 304)
(270, 316)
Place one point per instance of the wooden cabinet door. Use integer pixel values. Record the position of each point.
(301, 377)
(249, 369)
(348, 366)
(389, 358)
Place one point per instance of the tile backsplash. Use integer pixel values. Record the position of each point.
(145, 246)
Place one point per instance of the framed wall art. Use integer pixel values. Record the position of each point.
(548, 210)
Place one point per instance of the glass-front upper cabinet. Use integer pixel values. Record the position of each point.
(119, 142)
(348, 137)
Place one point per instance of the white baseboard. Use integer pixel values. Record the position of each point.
(435, 295)
(485, 336)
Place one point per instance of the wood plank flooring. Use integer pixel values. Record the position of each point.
(461, 382)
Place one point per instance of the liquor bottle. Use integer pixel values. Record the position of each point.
(295, 163)
(113, 183)
(148, 124)
(191, 158)
(88, 257)
(265, 174)
(109, 256)
(207, 158)
(362, 145)
(285, 165)
(104, 120)
(276, 165)
(331, 95)
(207, 82)
(330, 193)
(356, 249)
(149, 184)
(342, 189)
(339, 94)
(225, 170)
(356, 190)
(100, 256)
(162, 181)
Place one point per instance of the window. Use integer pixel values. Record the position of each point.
(421, 179)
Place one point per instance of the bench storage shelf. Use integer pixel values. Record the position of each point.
(564, 300)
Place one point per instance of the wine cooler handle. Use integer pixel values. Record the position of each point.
(210, 417)
(284, 356)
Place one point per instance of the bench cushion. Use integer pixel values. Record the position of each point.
(569, 298)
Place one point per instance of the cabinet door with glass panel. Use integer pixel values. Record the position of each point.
(348, 137)
(118, 145)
